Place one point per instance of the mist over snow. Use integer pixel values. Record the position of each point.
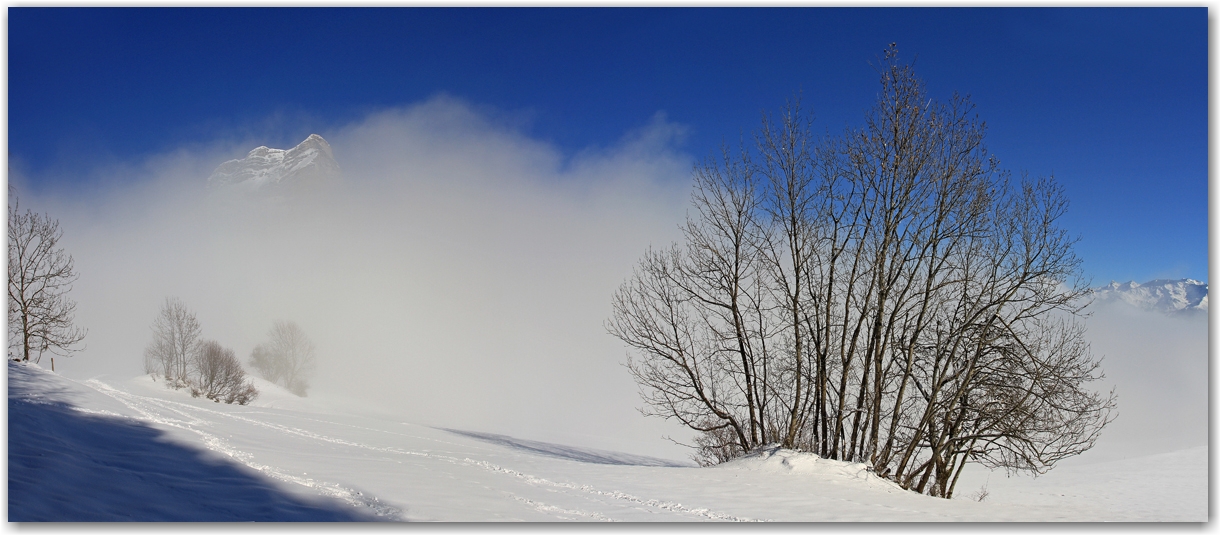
(458, 274)
(1158, 364)
(1153, 340)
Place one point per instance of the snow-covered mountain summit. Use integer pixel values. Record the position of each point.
(1163, 295)
(265, 168)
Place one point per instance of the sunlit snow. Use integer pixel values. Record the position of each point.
(128, 449)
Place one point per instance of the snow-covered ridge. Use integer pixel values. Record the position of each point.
(1162, 295)
(312, 161)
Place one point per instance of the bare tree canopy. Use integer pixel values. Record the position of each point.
(888, 296)
(174, 345)
(287, 359)
(218, 375)
(40, 275)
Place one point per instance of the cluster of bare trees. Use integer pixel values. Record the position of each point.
(888, 296)
(180, 356)
(287, 359)
(40, 275)
(183, 359)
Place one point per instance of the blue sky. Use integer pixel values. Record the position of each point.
(1111, 101)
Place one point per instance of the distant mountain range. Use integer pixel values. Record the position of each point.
(1162, 295)
(268, 170)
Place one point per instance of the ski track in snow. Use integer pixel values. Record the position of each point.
(559, 512)
(214, 443)
(658, 504)
(146, 406)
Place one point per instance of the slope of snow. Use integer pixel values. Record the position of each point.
(1163, 487)
(130, 450)
(75, 454)
(309, 162)
(1161, 295)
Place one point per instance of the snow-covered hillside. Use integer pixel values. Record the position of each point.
(1162, 295)
(111, 449)
(265, 168)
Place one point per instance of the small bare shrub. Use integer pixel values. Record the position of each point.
(218, 375)
(980, 495)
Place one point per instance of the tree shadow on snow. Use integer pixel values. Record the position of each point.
(68, 466)
(568, 452)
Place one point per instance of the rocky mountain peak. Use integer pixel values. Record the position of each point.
(264, 168)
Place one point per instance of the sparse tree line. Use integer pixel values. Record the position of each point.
(41, 320)
(888, 296)
(183, 359)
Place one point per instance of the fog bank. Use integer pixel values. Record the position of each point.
(458, 276)
(1158, 365)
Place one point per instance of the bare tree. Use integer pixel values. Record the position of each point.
(287, 359)
(174, 345)
(40, 275)
(218, 376)
(889, 296)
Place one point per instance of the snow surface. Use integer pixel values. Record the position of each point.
(114, 449)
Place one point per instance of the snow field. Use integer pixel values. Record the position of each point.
(382, 469)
